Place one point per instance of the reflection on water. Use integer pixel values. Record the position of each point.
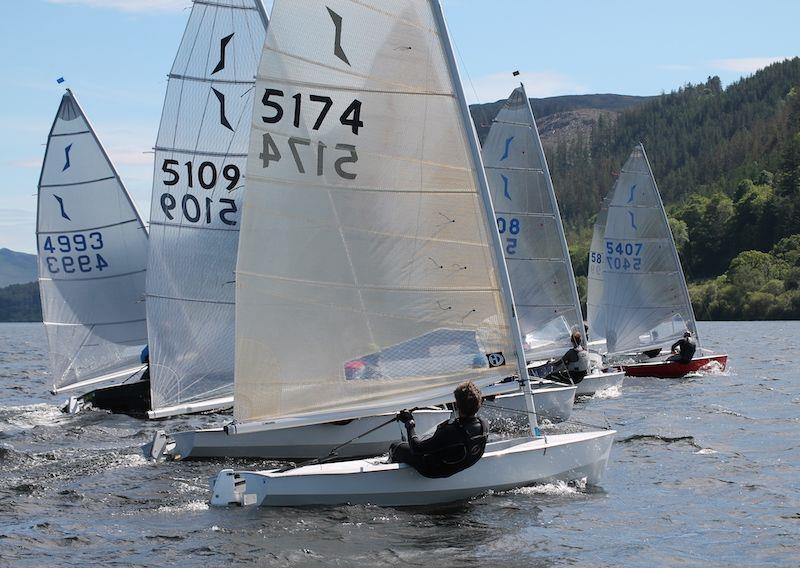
(704, 472)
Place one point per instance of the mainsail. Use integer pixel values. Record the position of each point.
(367, 277)
(646, 300)
(92, 258)
(196, 206)
(595, 306)
(530, 227)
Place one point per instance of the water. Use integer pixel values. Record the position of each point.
(704, 472)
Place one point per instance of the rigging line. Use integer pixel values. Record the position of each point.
(517, 411)
(333, 453)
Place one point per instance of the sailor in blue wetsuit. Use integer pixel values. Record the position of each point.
(454, 446)
(144, 358)
(683, 350)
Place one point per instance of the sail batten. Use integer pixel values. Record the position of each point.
(196, 205)
(379, 286)
(645, 303)
(92, 247)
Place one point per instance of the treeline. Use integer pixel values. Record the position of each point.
(700, 139)
(727, 163)
(20, 302)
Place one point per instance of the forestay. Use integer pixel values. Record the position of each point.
(379, 286)
(595, 305)
(92, 258)
(646, 300)
(545, 295)
(196, 205)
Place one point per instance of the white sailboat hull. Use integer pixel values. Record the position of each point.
(598, 381)
(553, 403)
(506, 465)
(299, 443)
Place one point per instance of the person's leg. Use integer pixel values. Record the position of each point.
(674, 358)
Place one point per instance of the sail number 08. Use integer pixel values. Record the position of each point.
(511, 226)
(65, 246)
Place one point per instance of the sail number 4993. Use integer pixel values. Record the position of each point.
(64, 253)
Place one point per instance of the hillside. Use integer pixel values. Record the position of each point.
(561, 117)
(20, 302)
(16, 267)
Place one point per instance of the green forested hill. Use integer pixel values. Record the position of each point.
(20, 302)
(727, 162)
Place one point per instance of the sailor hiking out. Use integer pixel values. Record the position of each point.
(574, 365)
(455, 445)
(683, 350)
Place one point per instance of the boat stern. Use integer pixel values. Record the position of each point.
(229, 487)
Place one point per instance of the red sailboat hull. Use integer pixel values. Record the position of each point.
(671, 369)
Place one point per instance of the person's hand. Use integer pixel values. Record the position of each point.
(405, 416)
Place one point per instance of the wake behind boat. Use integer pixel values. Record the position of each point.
(385, 238)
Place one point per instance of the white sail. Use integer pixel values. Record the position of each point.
(646, 300)
(595, 304)
(367, 276)
(92, 258)
(196, 205)
(545, 295)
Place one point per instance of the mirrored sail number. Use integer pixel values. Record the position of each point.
(74, 253)
(596, 262)
(310, 156)
(512, 227)
(624, 256)
(274, 100)
(198, 209)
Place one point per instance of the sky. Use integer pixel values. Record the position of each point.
(115, 55)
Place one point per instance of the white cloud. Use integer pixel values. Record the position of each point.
(745, 64)
(498, 86)
(131, 5)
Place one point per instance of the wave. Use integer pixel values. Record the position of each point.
(657, 438)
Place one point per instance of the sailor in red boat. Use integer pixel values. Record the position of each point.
(454, 446)
(683, 350)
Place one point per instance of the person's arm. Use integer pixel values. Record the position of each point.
(441, 438)
(676, 345)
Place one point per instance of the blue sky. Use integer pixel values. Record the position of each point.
(115, 55)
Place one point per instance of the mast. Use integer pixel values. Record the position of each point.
(684, 286)
(483, 185)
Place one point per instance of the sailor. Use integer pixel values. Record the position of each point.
(575, 362)
(144, 359)
(455, 445)
(683, 349)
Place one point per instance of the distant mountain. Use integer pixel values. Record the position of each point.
(16, 267)
(561, 117)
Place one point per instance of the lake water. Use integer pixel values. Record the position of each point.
(704, 472)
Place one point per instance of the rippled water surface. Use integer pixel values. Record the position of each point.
(705, 471)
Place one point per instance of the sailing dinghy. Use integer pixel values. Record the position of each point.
(645, 301)
(364, 175)
(196, 207)
(92, 260)
(534, 242)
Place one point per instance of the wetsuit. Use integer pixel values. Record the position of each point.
(453, 447)
(576, 362)
(686, 348)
